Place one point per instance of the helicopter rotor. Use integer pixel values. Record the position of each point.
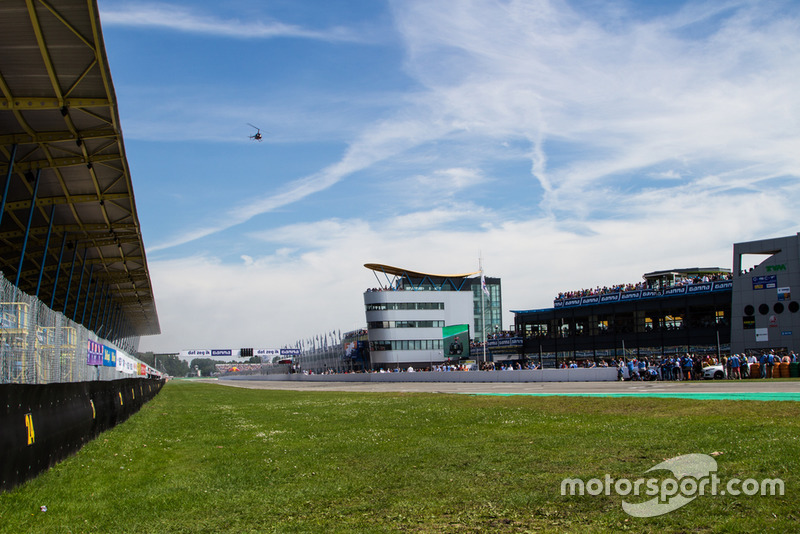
(257, 136)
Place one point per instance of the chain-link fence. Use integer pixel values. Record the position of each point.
(40, 346)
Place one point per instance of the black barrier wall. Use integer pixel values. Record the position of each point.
(41, 424)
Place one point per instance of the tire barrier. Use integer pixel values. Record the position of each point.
(755, 370)
(43, 424)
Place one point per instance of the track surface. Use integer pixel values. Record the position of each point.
(756, 389)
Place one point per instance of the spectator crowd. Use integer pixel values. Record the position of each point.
(623, 288)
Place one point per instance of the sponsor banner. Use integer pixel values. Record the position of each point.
(290, 352)
(198, 353)
(109, 357)
(681, 290)
(505, 342)
(765, 282)
(125, 364)
(221, 352)
(648, 293)
(94, 353)
(267, 353)
(784, 293)
(699, 288)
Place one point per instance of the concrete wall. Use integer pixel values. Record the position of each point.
(775, 322)
(597, 374)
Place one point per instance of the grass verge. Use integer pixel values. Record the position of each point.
(211, 458)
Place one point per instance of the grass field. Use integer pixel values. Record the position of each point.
(210, 458)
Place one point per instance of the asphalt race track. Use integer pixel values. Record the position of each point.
(756, 389)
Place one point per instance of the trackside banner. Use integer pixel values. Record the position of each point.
(109, 357)
(643, 294)
(94, 353)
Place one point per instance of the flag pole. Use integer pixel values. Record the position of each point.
(483, 310)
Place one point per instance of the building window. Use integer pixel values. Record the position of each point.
(406, 344)
(405, 324)
(393, 306)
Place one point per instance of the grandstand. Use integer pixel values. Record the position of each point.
(75, 291)
(697, 310)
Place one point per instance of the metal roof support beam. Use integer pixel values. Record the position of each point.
(109, 303)
(105, 298)
(410, 282)
(67, 161)
(80, 285)
(91, 310)
(379, 280)
(8, 180)
(86, 299)
(58, 270)
(71, 272)
(121, 327)
(101, 310)
(93, 324)
(115, 323)
(106, 305)
(28, 228)
(46, 246)
(109, 323)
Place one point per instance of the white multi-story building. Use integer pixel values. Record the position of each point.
(406, 316)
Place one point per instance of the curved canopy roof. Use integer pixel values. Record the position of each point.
(397, 271)
(61, 144)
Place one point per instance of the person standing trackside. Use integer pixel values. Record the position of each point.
(770, 363)
(734, 362)
(687, 367)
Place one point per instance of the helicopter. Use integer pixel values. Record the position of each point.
(257, 136)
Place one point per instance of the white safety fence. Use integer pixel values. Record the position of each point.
(41, 346)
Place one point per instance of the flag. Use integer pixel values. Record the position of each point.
(483, 285)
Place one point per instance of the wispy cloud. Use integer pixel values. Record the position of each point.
(621, 144)
(622, 100)
(179, 18)
(375, 144)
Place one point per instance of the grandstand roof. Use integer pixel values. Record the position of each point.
(59, 127)
(398, 271)
(690, 271)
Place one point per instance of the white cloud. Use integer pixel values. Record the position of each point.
(278, 299)
(658, 144)
(179, 18)
(671, 174)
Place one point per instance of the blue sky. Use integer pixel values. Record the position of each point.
(570, 144)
